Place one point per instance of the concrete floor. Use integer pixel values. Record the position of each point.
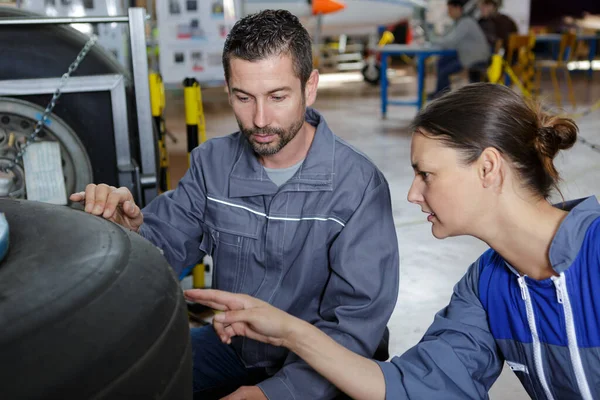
(429, 268)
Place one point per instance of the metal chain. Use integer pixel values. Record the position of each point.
(57, 93)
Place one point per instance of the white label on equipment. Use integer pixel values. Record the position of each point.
(44, 178)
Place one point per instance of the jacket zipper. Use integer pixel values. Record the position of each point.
(537, 348)
(563, 298)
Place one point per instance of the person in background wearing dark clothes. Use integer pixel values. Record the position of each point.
(495, 25)
(467, 38)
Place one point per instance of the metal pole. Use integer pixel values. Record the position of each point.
(62, 20)
(139, 61)
(150, 7)
(317, 41)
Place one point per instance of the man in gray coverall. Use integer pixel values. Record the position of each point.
(289, 212)
(469, 41)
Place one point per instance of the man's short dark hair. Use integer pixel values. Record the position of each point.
(270, 33)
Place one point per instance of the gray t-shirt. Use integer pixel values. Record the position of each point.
(279, 176)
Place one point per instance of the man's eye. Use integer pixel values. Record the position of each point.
(278, 98)
(243, 99)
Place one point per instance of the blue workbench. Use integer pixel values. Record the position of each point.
(421, 54)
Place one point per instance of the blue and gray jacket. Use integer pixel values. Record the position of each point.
(322, 246)
(547, 331)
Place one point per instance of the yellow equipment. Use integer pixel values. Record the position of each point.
(157, 105)
(196, 134)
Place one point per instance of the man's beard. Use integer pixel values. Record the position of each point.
(282, 137)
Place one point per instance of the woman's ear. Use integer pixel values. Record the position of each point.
(490, 167)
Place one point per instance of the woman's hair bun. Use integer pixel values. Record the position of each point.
(554, 134)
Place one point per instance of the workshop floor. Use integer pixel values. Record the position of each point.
(429, 268)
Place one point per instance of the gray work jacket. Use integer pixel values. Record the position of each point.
(322, 246)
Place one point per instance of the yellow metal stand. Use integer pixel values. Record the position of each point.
(194, 114)
(157, 104)
(525, 66)
(196, 134)
(496, 72)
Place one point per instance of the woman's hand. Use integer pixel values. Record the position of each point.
(242, 315)
(247, 316)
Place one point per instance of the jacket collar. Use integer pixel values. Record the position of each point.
(249, 178)
(569, 238)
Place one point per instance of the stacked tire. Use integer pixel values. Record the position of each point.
(88, 310)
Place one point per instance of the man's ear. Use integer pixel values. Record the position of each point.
(228, 93)
(310, 90)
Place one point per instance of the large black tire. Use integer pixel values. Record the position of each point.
(46, 51)
(88, 310)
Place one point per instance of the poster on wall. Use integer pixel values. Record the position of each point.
(113, 37)
(191, 34)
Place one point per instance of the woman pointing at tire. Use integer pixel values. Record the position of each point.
(483, 163)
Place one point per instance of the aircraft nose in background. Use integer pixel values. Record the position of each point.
(326, 6)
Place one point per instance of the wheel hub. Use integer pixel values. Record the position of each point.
(17, 123)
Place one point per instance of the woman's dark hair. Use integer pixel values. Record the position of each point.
(484, 115)
(270, 33)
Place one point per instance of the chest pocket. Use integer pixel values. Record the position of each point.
(519, 358)
(233, 232)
